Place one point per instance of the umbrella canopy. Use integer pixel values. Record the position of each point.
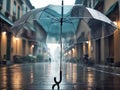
(26, 28)
(48, 20)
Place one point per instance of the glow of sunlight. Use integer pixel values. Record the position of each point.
(54, 50)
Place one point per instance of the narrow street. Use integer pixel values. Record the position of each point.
(40, 76)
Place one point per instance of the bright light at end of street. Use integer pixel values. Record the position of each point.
(43, 3)
(16, 38)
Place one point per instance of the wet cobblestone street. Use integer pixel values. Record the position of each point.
(40, 76)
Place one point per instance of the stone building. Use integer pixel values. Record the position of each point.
(104, 50)
(10, 11)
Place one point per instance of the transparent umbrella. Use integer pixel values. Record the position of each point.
(26, 28)
(48, 20)
(65, 25)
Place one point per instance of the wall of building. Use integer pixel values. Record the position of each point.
(4, 43)
(117, 39)
(104, 47)
(89, 48)
(107, 4)
(16, 45)
(117, 46)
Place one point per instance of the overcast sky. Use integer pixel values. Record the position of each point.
(42, 3)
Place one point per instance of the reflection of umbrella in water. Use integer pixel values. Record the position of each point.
(62, 22)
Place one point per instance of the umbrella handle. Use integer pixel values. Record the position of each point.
(57, 82)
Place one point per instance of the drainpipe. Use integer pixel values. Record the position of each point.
(0, 43)
(119, 25)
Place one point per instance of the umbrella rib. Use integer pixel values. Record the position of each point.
(18, 30)
(47, 13)
(42, 13)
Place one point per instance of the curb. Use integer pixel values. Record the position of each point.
(108, 68)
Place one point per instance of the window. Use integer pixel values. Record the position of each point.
(1, 2)
(14, 8)
(22, 9)
(26, 9)
(90, 3)
(94, 2)
(18, 12)
(8, 5)
(85, 3)
(79, 2)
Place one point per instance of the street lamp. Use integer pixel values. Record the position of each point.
(32, 46)
(32, 49)
(117, 23)
(86, 42)
(4, 33)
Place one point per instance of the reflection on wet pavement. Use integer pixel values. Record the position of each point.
(40, 76)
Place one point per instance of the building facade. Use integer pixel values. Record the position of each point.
(10, 11)
(104, 50)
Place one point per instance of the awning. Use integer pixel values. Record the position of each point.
(5, 19)
(112, 8)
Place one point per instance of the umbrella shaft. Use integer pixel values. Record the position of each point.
(61, 21)
(61, 47)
